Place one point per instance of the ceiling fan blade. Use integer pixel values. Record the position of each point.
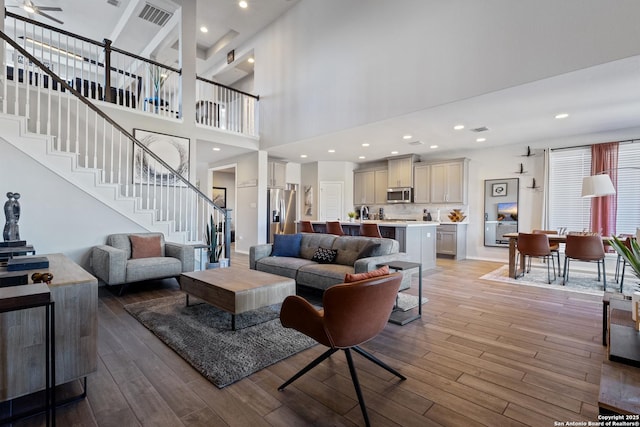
(51, 8)
(49, 16)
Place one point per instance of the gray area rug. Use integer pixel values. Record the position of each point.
(579, 281)
(202, 335)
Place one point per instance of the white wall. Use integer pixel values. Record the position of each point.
(331, 65)
(56, 216)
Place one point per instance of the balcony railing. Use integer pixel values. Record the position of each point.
(102, 72)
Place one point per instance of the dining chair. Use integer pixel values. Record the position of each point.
(554, 246)
(370, 230)
(587, 248)
(621, 261)
(352, 314)
(334, 227)
(536, 245)
(306, 227)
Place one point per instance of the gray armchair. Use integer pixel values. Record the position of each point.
(114, 265)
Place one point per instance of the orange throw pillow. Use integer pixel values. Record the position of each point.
(145, 246)
(356, 277)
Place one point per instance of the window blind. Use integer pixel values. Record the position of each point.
(566, 206)
(628, 214)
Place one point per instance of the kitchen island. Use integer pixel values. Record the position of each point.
(416, 238)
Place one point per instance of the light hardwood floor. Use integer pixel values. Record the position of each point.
(484, 353)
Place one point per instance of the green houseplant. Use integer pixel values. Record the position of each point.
(630, 255)
(214, 249)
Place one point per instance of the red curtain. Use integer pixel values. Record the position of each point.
(604, 157)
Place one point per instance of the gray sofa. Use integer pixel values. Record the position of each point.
(320, 276)
(112, 263)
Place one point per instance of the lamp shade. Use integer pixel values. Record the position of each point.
(597, 185)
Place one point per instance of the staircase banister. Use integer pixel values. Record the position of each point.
(257, 97)
(146, 60)
(98, 111)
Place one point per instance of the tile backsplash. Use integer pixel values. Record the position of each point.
(414, 211)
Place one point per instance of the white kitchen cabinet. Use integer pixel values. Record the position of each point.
(400, 172)
(364, 185)
(449, 182)
(277, 174)
(421, 183)
(381, 181)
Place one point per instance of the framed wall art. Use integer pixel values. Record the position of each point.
(219, 197)
(173, 150)
(499, 189)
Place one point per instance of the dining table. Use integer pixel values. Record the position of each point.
(515, 271)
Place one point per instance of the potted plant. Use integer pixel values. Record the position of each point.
(351, 216)
(214, 249)
(630, 255)
(157, 77)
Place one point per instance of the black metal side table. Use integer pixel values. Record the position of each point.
(23, 297)
(406, 317)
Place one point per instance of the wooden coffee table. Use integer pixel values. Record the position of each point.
(237, 290)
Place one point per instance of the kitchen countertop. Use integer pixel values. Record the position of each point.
(386, 223)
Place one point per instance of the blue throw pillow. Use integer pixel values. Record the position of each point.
(286, 245)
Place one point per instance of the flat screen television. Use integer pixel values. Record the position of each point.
(508, 211)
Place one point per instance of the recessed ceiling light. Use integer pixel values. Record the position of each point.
(216, 149)
(433, 146)
(407, 136)
(481, 139)
(332, 151)
(366, 144)
(243, 4)
(304, 156)
(28, 9)
(362, 157)
(394, 152)
(251, 60)
(458, 127)
(562, 116)
(204, 29)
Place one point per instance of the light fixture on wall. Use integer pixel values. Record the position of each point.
(600, 184)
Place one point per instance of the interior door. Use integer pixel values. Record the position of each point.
(331, 201)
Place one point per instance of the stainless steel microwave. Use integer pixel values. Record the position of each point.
(400, 195)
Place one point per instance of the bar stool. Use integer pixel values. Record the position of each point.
(370, 230)
(334, 227)
(306, 227)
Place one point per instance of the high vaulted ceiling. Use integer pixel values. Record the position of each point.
(130, 25)
(599, 100)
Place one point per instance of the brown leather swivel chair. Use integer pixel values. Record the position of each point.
(536, 245)
(306, 227)
(353, 314)
(370, 230)
(587, 248)
(334, 227)
(555, 247)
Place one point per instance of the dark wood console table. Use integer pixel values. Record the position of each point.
(620, 375)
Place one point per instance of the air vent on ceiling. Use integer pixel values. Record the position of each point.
(155, 15)
(416, 143)
(115, 3)
(480, 129)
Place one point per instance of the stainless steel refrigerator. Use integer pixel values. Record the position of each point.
(281, 211)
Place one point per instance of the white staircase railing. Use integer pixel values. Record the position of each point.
(52, 107)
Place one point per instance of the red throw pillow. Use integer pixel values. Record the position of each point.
(145, 246)
(356, 277)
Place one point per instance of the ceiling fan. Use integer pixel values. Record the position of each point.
(30, 7)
